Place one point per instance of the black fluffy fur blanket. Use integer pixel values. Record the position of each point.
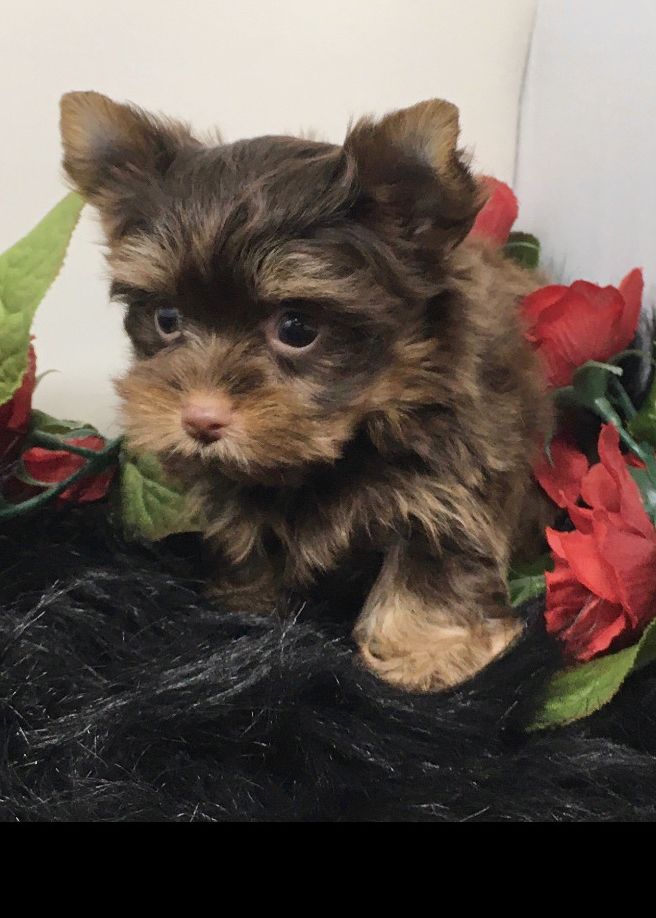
(125, 695)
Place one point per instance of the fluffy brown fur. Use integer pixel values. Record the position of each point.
(403, 435)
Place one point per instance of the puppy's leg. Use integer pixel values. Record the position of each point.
(430, 623)
(253, 585)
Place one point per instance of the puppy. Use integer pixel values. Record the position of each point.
(330, 367)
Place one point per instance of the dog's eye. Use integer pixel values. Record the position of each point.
(168, 322)
(296, 330)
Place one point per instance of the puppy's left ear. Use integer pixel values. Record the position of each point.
(114, 153)
(413, 176)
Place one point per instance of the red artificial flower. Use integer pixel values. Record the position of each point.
(496, 218)
(570, 325)
(15, 414)
(603, 587)
(52, 466)
(561, 477)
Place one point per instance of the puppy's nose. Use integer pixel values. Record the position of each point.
(205, 417)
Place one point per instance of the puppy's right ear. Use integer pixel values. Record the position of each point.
(412, 174)
(112, 151)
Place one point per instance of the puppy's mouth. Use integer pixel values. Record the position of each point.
(194, 458)
(209, 447)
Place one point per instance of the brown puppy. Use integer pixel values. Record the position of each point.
(327, 366)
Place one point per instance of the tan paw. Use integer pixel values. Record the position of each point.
(446, 657)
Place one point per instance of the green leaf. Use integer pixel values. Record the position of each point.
(524, 249)
(643, 425)
(539, 565)
(591, 382)
(589, 389)
(26, 271)
(56, 427)
(522, 589)
(579, 692)
(152, 506)
(526, 578)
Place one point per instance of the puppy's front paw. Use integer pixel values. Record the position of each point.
(443, 656)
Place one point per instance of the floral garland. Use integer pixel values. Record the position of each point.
(44, 459)
(599, 577)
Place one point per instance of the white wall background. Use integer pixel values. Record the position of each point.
(249, 66)
(586, 174)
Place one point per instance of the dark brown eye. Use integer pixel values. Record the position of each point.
(168, 322)
(296, 330)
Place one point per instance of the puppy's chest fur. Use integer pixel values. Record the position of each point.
(339, 516)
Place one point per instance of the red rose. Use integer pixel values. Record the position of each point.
(561, 478)
(603, 587)
(52, 466)
(15, 414)
(571, 325)
(498, 214)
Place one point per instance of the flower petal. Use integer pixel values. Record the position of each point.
(588, 565)
(580, 328)
(581, 517)
(594, 629)
(565, 597)
(50, 465)
(535, 303)
(605, 298)
(599, 489)
(53, 466)
(631, 289)
(562, 479)
(89, 489)
(15, 414)
(630, 503)
(633, 559)
(496, 218)
(554, 538)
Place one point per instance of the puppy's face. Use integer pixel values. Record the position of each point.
(276, 289)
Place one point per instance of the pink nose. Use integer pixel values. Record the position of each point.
(205, 417)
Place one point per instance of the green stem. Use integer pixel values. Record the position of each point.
(98, 461)
(623, 399)
(48, 441)
(607, 413)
